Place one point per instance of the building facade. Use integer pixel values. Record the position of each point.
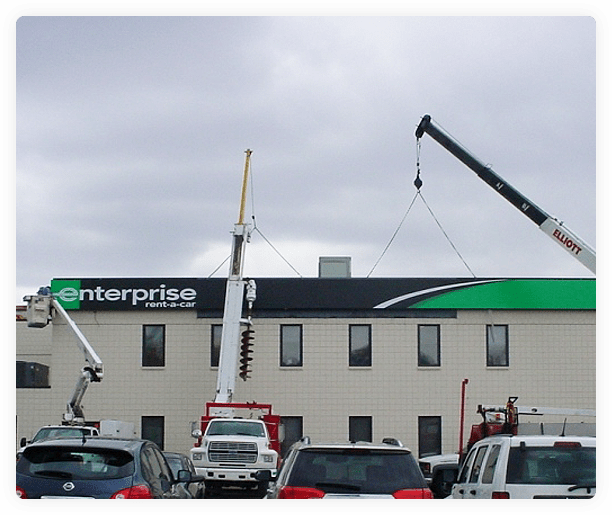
(338, 358)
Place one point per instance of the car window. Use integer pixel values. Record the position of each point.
(286, 465)
(551, 465)
(155, 470)
(478, 464)
(76, 463)
(467, 464)
(356, 470)
(489, 470)
(175, 465)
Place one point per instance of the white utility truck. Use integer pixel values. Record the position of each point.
(235, 440)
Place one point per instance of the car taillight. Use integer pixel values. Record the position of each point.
(500, 495)
(21, 493)
(298, 492)
(413, 493)
(135, 492)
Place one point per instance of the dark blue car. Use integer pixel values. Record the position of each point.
(97, 467)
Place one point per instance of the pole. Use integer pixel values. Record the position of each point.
(462, 416)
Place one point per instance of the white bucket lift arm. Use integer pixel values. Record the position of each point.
(38, 315)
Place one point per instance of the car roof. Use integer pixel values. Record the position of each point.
(353, 445)
(545, 440)
(93, 441)
(170, 454)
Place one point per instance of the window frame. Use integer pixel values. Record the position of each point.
(422, 420)
(146, 359)
(420, 343)
(353, 427)
(282, 358)
(215, 350)
(490, 341)
(368, 359)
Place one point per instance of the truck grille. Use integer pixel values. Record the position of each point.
(232, 452)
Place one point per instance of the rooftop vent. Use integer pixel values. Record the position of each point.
(334, 267)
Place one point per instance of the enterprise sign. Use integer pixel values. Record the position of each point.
(125, 294)
(328, 295)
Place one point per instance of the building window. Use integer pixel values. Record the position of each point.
(294, 430)
(153, 345)
(215, 344)
(30, 374)
(429, 345)
(152, 428)
(360, 345)
(430, 436)
(360, 429)
(291, 346)
(497, 346)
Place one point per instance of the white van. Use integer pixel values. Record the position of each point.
(528, 467)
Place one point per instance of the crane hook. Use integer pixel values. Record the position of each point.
(418, 182)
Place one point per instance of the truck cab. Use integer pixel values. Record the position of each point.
(231, 451)
(59, 431)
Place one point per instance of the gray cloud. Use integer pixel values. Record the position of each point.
(131, 132)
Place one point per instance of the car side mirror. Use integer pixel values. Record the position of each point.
(23, 442)
(185, 476)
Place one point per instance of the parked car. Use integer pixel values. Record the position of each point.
(528, 467)
(440, 472)
(354, 470)
(177, 461)
(97, 467)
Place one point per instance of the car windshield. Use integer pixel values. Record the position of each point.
(356, 470)
(76, 463)
(223, 427)
(60, 432)
(175, 465)
(551, 465)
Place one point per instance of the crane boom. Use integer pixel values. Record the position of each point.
(234, 294)
(554, 228)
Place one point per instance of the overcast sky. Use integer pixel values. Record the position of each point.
(131, 135)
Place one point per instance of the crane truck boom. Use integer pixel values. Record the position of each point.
(236, 440)
(38, 315)
(232, 311)
(554, 228)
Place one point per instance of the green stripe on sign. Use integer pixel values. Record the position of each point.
(519, 294)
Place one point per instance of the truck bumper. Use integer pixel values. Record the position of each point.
(229, 474)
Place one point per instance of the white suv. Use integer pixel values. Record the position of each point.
(528, 467)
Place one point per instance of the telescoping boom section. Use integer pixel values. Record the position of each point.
(555, 229)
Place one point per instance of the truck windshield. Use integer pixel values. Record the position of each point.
(235, 427)
(60, 432)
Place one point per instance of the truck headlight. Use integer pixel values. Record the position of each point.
(197, 456)
(268, 458)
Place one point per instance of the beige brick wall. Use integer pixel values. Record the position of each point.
(552, 363)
